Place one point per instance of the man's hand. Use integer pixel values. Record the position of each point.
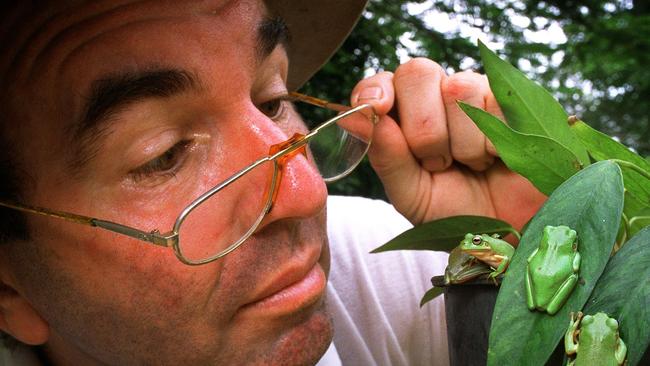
(434, 162)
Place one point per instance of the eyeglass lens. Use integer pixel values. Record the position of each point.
(226, 217)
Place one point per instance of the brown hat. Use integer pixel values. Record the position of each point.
(317, 28)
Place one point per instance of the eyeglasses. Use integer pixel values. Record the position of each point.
(221, 219)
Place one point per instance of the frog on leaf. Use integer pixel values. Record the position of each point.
(552, 271)
(594, 340)
(491, 250)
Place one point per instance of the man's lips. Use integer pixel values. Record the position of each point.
(291, 290)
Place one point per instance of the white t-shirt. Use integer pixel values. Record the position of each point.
(373, 298)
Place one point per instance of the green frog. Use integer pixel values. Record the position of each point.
(594, 340)
(463, 267)
(552, 271)
(491, 250)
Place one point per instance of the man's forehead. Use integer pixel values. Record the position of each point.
(110, 37)
(36, 35)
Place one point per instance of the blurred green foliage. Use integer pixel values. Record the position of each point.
(599, 71)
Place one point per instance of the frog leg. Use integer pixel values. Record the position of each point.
(621, 351)
(562, 294)
(576, 262)
(570, 343)
(530, 300)
(502, 266)
(530, 257)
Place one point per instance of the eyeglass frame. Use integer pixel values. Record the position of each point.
(278, 154)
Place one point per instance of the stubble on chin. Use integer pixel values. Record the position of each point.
(305, 344)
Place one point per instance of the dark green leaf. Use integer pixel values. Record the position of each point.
(603, 147)
(590, 202)
(527, 106)
(431, 294)
(637, 185)
(445, 234)
(623, 292)
(541, 160)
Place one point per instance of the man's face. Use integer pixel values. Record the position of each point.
(127, 113)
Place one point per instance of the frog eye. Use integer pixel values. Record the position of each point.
(612, 323)
(476, 240)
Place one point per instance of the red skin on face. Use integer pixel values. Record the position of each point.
(109, 299)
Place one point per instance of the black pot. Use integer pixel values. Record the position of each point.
(469, 308)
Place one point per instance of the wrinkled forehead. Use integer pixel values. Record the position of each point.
(34, 30)
(57, 48)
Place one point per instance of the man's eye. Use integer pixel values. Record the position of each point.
(167, 164)
(273, 109)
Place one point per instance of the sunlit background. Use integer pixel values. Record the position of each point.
(593, 55)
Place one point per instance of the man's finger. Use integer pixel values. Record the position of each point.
(422, 113)
(376, 90)
(468, 144)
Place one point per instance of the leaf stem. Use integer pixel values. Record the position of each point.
(635, 218)
(632, 166)
(514, 232)
(626, 229)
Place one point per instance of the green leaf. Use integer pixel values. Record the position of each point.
(544, 162)
(623, 292)
(590, 202)
(527, 106)
(431, 294)
(602, 147)
(637, 186)
(445, 234)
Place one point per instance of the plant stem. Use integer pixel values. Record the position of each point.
(632, 166)
(515, 233)
(626, 230)
(635, 218)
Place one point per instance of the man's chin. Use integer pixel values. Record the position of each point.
(299, 340)
(307, 343)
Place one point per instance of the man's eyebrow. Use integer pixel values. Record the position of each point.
(117, 91)
(271, 32)
(110, 94)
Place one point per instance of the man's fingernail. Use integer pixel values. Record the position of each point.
(373, 92)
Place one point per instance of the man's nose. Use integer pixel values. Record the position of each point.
(299, 190)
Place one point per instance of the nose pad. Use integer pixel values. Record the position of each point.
(299, 190)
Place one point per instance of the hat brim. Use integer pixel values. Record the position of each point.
(317, 28)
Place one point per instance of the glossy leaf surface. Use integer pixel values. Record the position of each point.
(445, 234)
(431, 294)
(527, 106)
(543, 161)
(602, 147)
(590, 202)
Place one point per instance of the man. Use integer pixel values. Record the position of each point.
(128, 111)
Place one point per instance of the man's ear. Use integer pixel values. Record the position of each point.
(19, 319)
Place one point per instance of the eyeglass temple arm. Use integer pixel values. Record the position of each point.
(154, 237)
(319, 102)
